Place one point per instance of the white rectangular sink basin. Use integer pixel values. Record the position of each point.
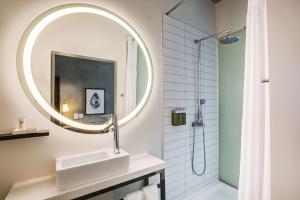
(72, 171)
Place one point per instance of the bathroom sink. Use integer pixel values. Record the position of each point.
(72, 171)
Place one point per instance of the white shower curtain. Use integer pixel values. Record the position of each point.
(131, 75)
(254, 183)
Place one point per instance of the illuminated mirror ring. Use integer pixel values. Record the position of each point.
(25, 51)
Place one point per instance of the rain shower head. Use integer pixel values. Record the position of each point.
(229, 39)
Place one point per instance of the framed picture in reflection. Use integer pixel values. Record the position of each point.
(94, 101)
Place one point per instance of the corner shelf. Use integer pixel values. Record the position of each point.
(10, 136)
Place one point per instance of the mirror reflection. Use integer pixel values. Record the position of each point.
(88, 67)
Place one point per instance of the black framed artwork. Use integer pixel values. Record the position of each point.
(94, 101)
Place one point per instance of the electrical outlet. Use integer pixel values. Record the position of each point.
(76, 116)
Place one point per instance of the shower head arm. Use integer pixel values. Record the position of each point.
(176, 6)
(214, 35)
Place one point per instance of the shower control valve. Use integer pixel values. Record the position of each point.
(198, 123)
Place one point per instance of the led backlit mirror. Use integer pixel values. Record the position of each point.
(80, 63)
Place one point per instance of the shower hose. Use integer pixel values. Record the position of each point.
(193, 152)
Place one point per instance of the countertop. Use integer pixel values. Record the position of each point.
(45, 187)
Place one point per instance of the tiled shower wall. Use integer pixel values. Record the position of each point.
(180, 61)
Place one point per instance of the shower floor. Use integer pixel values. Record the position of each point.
(217, 191)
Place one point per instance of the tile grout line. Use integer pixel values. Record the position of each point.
(185, 72)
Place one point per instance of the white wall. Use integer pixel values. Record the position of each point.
(284, 48)
(29, 158)
(191, 21)
(180, 63)
(231, 14)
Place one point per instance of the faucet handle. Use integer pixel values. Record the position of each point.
(112, 122)
(115, 118)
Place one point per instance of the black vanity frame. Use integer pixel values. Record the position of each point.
(145, 179)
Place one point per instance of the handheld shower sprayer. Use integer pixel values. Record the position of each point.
(199, 122)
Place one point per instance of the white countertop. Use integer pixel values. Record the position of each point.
(45, 187)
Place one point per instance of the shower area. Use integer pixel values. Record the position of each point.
(203, 77)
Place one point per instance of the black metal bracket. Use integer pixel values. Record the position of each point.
(10, 136)
(144, 178)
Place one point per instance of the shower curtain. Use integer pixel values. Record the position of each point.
(131, 75)
(254, 183)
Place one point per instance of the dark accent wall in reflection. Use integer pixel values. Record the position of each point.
(77, 73)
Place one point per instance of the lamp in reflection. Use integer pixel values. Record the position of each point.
(65, 108)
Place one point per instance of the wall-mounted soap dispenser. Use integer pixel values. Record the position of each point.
(178, 117)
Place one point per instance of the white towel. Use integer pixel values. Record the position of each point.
(150, 192)
(138, 195)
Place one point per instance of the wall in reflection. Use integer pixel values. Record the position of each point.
(72, 76)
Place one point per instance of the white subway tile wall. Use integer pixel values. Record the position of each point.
(180, 61)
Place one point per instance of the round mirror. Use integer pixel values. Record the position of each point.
(80, 63)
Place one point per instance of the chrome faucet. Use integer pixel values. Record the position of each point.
(113, 126)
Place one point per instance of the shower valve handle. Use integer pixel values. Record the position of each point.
(198, 123)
